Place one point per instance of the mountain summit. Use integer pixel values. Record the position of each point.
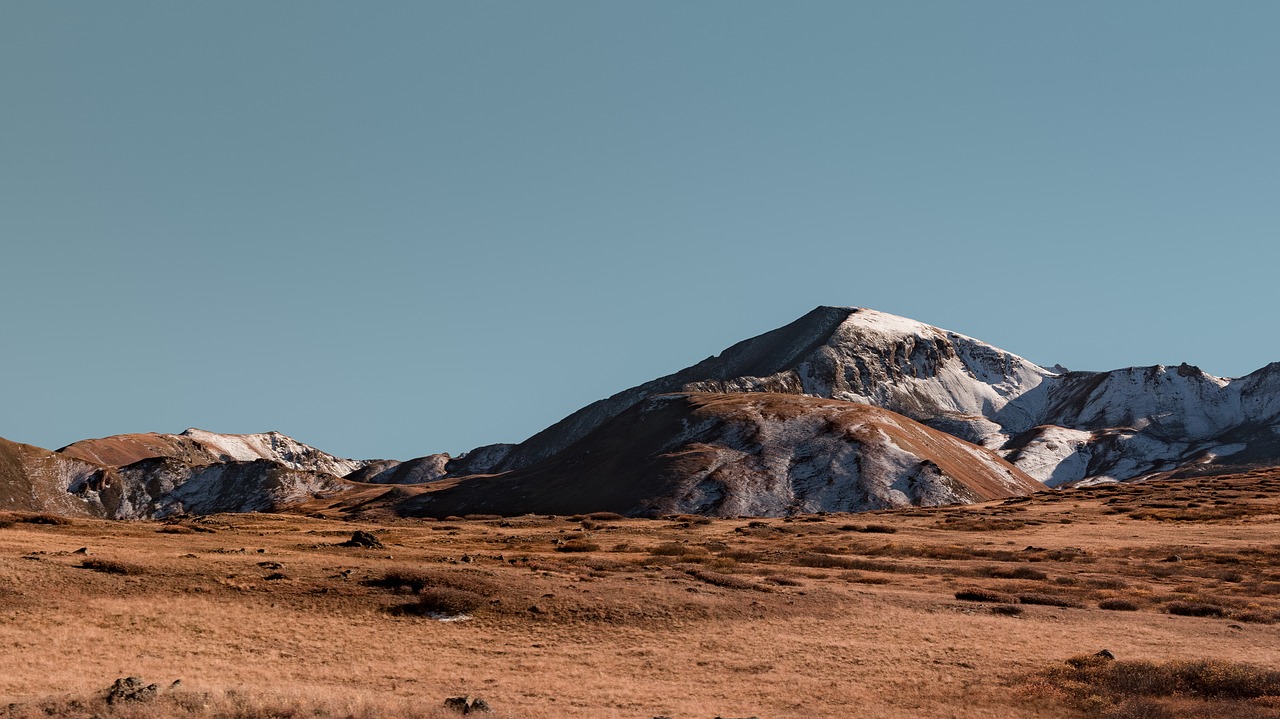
(844, 409)
(1057, 426)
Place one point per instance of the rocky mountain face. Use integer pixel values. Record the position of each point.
(163, 487)
(37, 480)
(1057, 426)
(733, 454)
(141, 476)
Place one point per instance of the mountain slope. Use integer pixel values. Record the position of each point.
(844, 353)
(163, 486)
(730, 454)
(37, 480)
(1056, 425)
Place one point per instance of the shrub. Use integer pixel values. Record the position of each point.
(1011, 573)
(728, 581)
(676, 549)
(418, 582)
(783, 581)
(108, 566)
(1194, 609)
(1115, 681)
(1006, 610)
(578, 545)
(977, 594)
(175, 529)
(10, 519)
(826, 561)
(1048, 600)
(604, 516)
(1255, 617)
(1118, 605)
(448, 600)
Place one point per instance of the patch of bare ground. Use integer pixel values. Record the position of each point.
(934, 612)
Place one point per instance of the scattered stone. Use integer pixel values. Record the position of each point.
(275, 577)
(271, 565)
(363, 539)
(131, 689)
(467, 704)
(1105, 654)
(82, 550)
(1172, 558)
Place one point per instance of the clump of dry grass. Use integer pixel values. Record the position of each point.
(1048, 600)
(442, 602)
(1007, 610)
(230, 704)
(1255, 617)
(175, 529)
(826, 561)
(978, 594)
(578, 545)
(980, 524)
(1118, 605)
(728, 581)
(1011, 573)
(676, 549)
(869, 528)
(8, 519)
(111, 566)
(1101, 686)
(1194, 609)
(421, 581)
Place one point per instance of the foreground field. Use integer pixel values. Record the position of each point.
(949, 612)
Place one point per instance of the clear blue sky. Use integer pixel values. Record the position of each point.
(390, 229)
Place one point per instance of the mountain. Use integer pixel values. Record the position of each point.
(163, 486)
(37, 480)
(197, 447)
(731, 454)
(1056, 425)
(849, 354)
(141, 476)
(843, 409)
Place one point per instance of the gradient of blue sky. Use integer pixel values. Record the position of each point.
(390, 228)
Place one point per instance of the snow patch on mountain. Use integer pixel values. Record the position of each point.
(273, 446)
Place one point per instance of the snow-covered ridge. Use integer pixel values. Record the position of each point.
(274, 446)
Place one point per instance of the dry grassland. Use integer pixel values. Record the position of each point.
(966, 612)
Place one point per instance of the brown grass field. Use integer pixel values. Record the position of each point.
(601, 617)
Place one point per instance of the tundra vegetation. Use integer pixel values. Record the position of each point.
(992, 610)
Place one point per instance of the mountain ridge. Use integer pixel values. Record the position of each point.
(1054, 425)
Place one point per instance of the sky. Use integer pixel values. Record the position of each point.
(396, 228)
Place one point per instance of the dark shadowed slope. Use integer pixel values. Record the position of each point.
(759, 454)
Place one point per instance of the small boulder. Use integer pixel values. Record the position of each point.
(467, 705)
(364, 540)
(1106, 654)
(131, 689)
